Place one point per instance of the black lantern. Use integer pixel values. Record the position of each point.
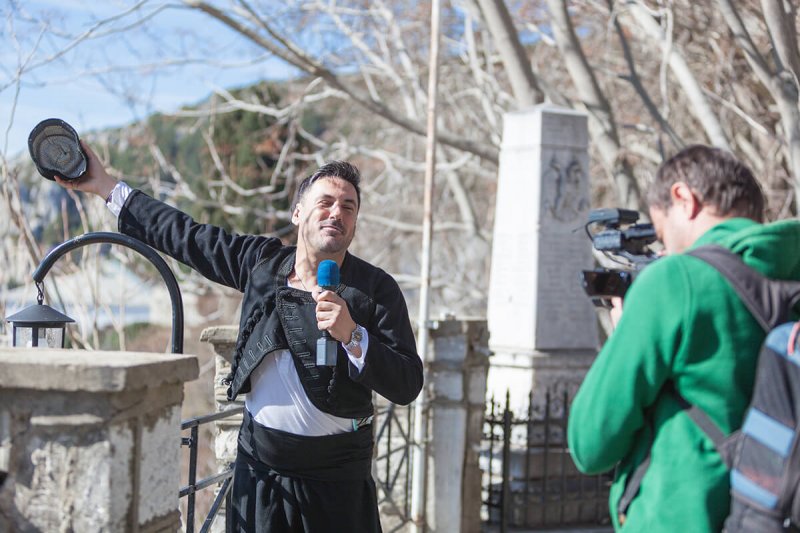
(38, 326)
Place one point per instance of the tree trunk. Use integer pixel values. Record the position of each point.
(518, 67)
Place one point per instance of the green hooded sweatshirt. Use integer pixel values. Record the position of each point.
(682, 323)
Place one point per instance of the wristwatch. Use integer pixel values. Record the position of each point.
(355, 338)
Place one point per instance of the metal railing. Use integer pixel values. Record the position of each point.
(225, 477)
(391, 469)
(530, 479)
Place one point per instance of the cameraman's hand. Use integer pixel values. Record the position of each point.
(616, 310)
(95, 180)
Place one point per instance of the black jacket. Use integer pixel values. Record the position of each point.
(276, 316)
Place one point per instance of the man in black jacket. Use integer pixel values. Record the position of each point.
(305, 446)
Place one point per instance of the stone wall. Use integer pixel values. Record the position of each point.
(90, 441)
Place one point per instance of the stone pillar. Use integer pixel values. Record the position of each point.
(543, 327)
(223, 340)
(90, 441)
(457, 383)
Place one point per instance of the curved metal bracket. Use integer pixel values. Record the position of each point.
(129, 242)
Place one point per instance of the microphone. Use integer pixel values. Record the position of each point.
(327, 279)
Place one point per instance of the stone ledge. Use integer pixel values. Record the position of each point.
(92, 371)
(220, 334)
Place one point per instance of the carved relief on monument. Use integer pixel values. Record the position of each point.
(564, 185)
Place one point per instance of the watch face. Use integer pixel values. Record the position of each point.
(356, 337)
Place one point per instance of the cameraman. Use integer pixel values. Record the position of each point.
(685, 329)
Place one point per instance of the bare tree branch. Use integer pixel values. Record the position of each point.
(601, 116)
(780, 17)
(782, 85)
(745, 42)
(294, 56)
(700, 107)
(633, 77)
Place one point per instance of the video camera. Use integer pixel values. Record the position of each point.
(622, 240)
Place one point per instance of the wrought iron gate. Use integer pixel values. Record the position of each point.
(529, 477)
(221, 480)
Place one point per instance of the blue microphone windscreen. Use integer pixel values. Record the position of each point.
(328, 274)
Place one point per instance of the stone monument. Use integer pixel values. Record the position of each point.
(543, 328)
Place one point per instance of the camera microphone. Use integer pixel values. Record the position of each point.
(327, 279)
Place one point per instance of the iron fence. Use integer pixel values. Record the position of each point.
(224, 477)
(530, 479)
(392, 425)
(391, 469)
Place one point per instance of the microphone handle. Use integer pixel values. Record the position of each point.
(326, 345)
(325, 333)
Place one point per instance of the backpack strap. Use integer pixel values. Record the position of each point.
(770, 301)
(701, 419)
(765, 298)
(632, 488)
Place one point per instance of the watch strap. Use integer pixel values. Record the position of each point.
(355, 338)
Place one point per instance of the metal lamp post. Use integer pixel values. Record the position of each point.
(39, 326)
(41, 323)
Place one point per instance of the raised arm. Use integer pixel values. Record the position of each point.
(220, 256)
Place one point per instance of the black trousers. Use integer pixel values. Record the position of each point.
(290, 483)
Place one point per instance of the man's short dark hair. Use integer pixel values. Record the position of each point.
(333, 169)
(717, 178)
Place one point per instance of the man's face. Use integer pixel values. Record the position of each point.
(671, 225)
(326, 216)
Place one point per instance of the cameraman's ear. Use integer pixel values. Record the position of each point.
(685, 199)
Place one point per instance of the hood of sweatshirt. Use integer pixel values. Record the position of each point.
(773, 249)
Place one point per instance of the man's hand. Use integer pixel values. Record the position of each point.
(334, 315)
(95, 180)
(616, 310)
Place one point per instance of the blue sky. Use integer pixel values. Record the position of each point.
(114, 77)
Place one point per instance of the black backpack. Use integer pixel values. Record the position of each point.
(764, 455)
